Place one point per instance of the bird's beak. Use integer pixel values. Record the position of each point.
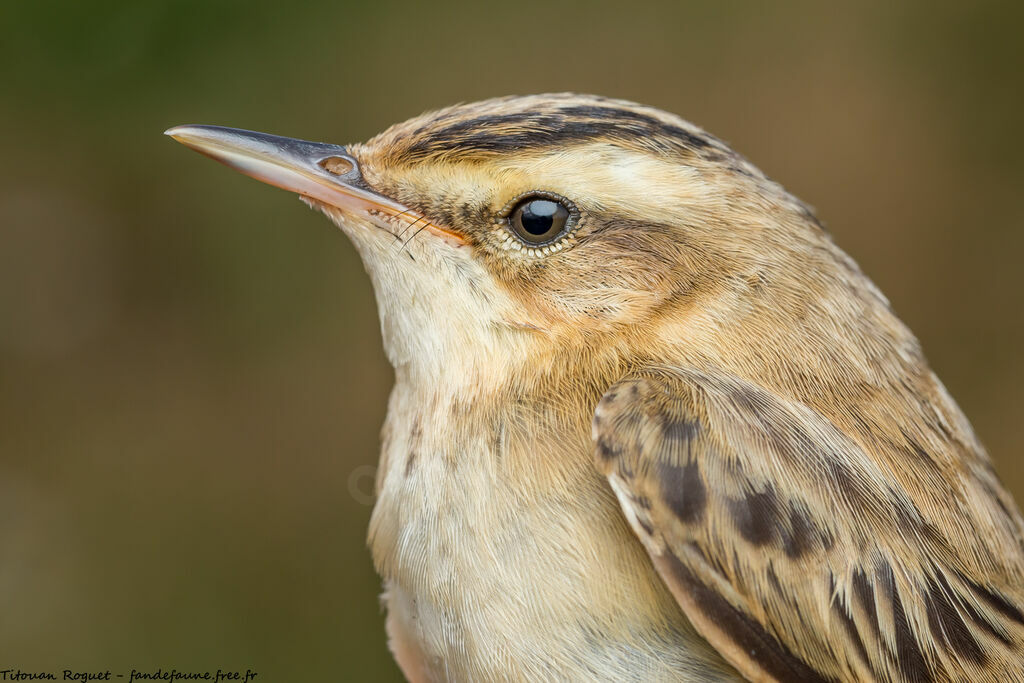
(323, 172)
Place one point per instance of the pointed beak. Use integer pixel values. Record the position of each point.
(323, 172)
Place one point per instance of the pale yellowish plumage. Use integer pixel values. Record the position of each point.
(810, 503)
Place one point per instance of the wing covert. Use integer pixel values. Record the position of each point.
(790, 549)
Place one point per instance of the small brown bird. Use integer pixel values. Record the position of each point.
(783, 489)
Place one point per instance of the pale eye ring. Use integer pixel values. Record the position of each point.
(540, 218)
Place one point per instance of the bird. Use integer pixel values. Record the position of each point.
(649, 422)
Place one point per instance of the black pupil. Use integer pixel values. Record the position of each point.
(539, 215)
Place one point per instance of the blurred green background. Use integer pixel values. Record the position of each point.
(191, 379)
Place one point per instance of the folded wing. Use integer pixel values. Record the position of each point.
(794, 553)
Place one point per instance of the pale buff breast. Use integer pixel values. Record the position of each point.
(488, 578)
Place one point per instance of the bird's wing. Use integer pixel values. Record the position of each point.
(789, 549)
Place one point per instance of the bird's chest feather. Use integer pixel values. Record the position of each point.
(489, 576)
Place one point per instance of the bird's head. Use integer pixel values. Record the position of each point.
(514, 230)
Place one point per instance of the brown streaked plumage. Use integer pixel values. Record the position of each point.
(809, 501)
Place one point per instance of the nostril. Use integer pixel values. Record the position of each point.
(337, 165)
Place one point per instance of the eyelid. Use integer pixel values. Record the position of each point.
(509, 206)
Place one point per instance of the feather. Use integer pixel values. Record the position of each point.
(792, 551)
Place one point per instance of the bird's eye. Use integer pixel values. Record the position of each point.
(539, 220)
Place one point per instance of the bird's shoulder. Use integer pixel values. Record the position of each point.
(800, 551)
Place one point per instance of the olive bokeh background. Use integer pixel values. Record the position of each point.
(191, 379)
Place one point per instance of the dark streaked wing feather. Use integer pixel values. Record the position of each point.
(790, 549)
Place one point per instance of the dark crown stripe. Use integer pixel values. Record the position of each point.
(503, 133)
